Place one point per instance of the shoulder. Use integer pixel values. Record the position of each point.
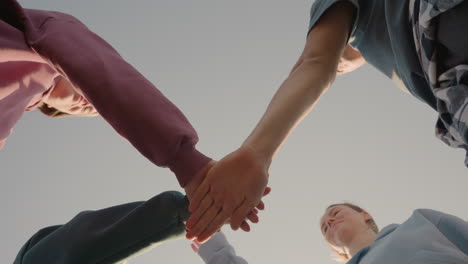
(330, 27)
(430, 214)
(320, 7)
(333, 15)
(324, 4)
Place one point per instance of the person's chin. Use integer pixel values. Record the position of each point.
(340, 232)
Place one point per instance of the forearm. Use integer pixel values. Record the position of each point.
(309, 79)
(109, 235)
(292, 102)
(129, 102)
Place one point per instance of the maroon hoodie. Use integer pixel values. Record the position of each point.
(38, 47)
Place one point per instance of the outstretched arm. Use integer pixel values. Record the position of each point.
(235, 184)
(109, 235)
(128, 101)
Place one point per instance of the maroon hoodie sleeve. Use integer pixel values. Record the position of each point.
(131, 104)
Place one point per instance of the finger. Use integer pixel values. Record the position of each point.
(215, 225)
(204, 240)
(260, 205)
(200, 193)
(204, 222)
(204, 205)
(245, 226)
(194, 247)
(252, 217)
(240, 214)
(255, 210)
(196, 243)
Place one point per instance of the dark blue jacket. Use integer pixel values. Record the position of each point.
(109, 235)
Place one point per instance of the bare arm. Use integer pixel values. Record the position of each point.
(309, 79)
(235, 184)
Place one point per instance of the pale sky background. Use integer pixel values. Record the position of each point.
(221, 62)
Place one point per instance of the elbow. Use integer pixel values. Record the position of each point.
(326, 63)
(324, 68)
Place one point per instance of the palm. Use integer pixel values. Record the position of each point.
(231, 189)
(238, 177)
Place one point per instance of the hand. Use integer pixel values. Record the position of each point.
(231, 189)
(253, 217)
(201, 174)
(350, 61)
(192, 186)
(253, 214)
(195, 245)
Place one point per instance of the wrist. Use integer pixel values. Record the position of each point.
(188, 162)
(262, 155)
(193, 184)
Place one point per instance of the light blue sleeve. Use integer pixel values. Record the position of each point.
(217, 250)
(453, 228)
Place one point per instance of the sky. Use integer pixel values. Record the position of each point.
(220, 62)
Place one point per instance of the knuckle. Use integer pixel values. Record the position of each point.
(236, 221)
(228, 209)
(218, 204)
(215, 192)
(206, 202)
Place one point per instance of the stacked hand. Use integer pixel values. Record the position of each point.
(350, 61)
(227, 191)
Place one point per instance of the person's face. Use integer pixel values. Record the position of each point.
(340, 224)
(65, 98)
